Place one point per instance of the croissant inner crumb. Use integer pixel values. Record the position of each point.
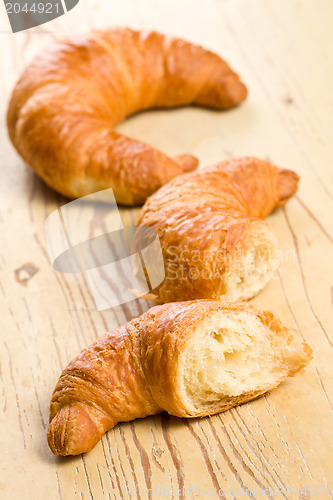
(234, 357)
(253, 270)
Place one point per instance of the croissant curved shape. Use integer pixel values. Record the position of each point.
(64, 108)
(214, 243)
(190, 359)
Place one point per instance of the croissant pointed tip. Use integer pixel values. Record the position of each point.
(232, 91)
(72, 431)
(237, 91)
(188, 163)
(287, 185)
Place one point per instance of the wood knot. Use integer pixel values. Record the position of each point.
(24, 273)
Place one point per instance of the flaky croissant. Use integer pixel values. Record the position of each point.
(214, 244)
(190, 359)
(64, 108)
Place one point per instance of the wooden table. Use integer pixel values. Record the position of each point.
(278, 443)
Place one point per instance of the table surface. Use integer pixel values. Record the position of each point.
(284, 52)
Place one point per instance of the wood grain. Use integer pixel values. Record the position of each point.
(283, 50)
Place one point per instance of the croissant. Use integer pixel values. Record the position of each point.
(190, 359)
(214, 244)
(64, 108)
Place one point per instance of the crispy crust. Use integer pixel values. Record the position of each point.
(136, 371)
(209, 219)
(64, 108)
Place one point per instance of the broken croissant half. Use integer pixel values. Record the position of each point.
(190, 359)
(215, 244)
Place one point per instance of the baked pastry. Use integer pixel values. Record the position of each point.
(190, 359)
(214, 244)
(64, 108)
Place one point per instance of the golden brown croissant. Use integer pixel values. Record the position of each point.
(214, 244)
(65, 106)
(190, 359)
